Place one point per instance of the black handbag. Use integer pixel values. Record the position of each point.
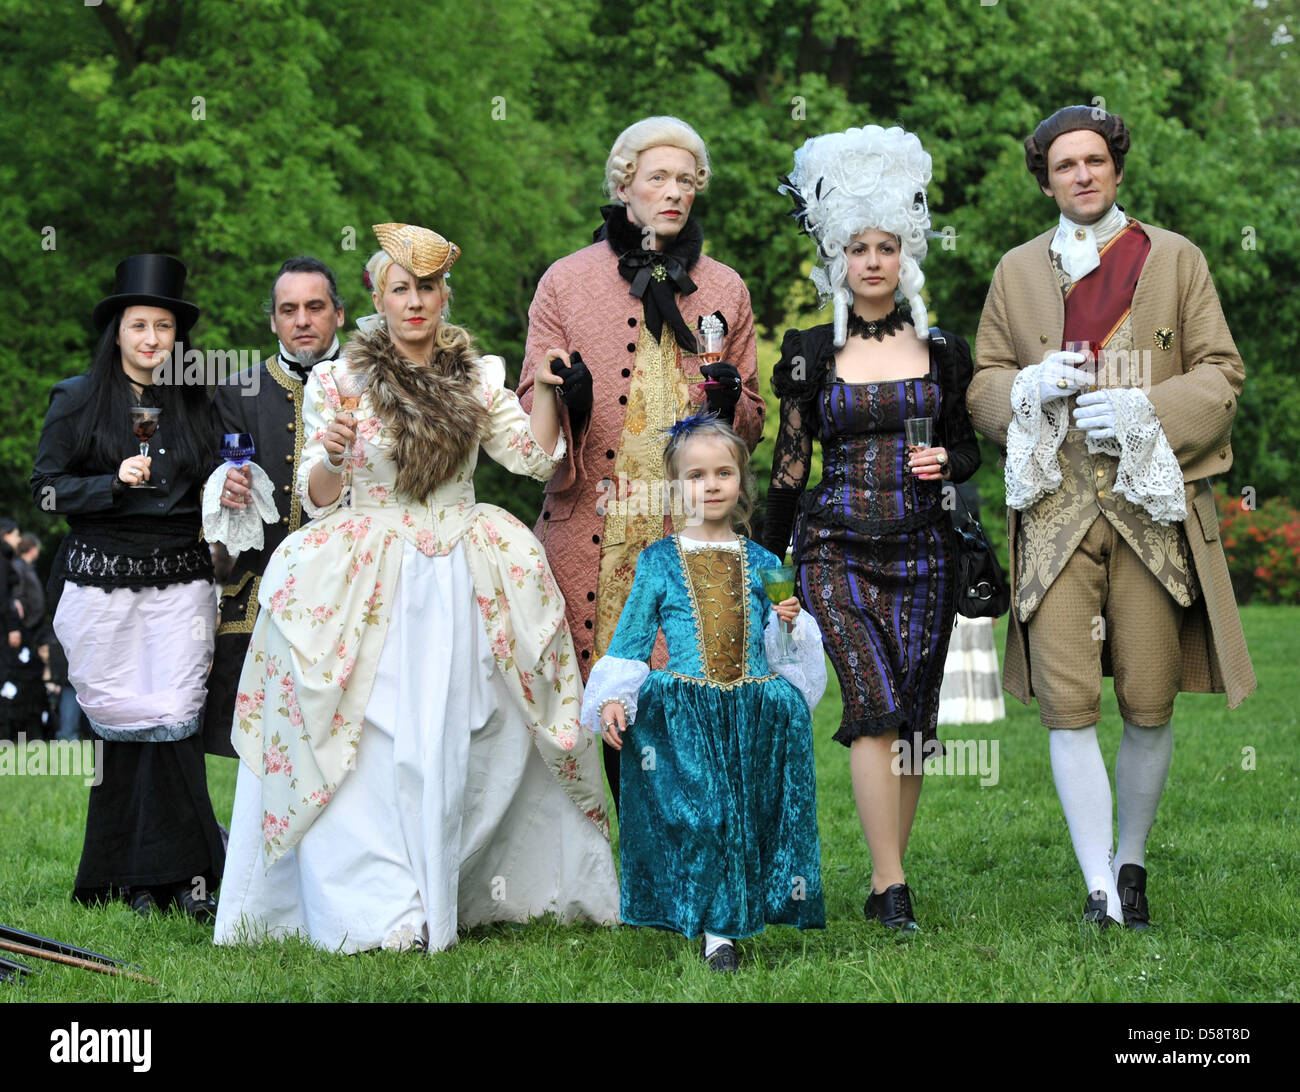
(982, 590)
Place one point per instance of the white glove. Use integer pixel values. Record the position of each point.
(1095, 414)
(238, 529)
(1058, 367)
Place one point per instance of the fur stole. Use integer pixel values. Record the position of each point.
(435, 414)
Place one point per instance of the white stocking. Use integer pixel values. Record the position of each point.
(1140, 774)
(1084, 789)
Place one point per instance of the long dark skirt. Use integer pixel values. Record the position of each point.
(885, 606)
(150, 822)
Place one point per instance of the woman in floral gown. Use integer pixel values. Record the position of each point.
(407, 717)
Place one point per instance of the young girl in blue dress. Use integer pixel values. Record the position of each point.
(718, 802)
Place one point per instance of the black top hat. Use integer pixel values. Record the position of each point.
(156, 280)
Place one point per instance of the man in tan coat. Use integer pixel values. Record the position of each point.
(1106, 371)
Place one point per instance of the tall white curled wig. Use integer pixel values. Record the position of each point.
(863, 179)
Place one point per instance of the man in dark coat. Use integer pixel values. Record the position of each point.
(306, 313)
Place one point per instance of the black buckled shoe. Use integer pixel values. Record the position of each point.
(726, 960)
(1132, 884)
(143, 902)
(892, 908)
(1094, 911)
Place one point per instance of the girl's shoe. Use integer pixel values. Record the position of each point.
(892, 908)
(725, 960)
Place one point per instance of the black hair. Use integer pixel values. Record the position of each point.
(304, 263)
(105, 436)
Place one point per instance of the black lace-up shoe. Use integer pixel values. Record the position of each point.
(892, 908)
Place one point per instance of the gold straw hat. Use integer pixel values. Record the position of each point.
(425, 253)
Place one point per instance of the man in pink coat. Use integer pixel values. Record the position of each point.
(623, 313)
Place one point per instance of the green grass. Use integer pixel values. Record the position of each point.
(996, 889)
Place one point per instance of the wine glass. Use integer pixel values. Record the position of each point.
(144, 423)
(778, 583)
(237, 448)
(351, 386)
(1089, 364)
(919, 432)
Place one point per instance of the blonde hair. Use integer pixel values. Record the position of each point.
(655, 132)
(710, 427)
(448, 336)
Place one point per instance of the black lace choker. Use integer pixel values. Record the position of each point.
(877, 328)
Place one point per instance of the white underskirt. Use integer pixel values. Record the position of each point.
(450, 816)
(138, 658)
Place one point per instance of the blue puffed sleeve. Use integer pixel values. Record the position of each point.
(638, 624)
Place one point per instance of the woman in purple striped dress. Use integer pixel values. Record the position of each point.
(872, 540)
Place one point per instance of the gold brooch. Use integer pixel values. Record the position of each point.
(1164, 338)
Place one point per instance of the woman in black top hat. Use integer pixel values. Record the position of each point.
(136, 614)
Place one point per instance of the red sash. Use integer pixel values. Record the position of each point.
(1096, 304)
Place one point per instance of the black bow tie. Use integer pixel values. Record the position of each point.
(302, 371)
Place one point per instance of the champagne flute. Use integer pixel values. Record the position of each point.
(144, 423)
(351, 386)
(778, 583)
(708, 342)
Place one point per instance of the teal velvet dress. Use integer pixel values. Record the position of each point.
(718, 812)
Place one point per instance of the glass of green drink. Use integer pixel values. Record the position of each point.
(778, 583)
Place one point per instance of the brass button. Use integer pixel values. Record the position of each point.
(288, 458)
(1228, 404)
(289, 427)
(287, 489)
(1101, 471)
(1101, 494)
(1042, 338)
(285, 521)
(288, 396)
(1223, 454)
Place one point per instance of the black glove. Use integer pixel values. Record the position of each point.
(722, 399)
(780, 510)
(575, 391)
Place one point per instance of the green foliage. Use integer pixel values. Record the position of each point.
(238, 134)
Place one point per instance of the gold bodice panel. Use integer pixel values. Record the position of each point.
(717, 584)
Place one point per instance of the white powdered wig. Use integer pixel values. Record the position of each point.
(863, 179)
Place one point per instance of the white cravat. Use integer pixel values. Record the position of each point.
(1078, 244)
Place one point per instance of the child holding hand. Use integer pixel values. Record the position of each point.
(718, 803)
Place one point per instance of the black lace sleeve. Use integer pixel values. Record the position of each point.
(957, 433)
(792, 458)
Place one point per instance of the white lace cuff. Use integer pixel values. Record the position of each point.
(238, 530)
(804, 666)
(1148, 474)
(612, 679)
(1034, 437)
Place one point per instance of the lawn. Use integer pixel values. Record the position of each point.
(995, 885)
